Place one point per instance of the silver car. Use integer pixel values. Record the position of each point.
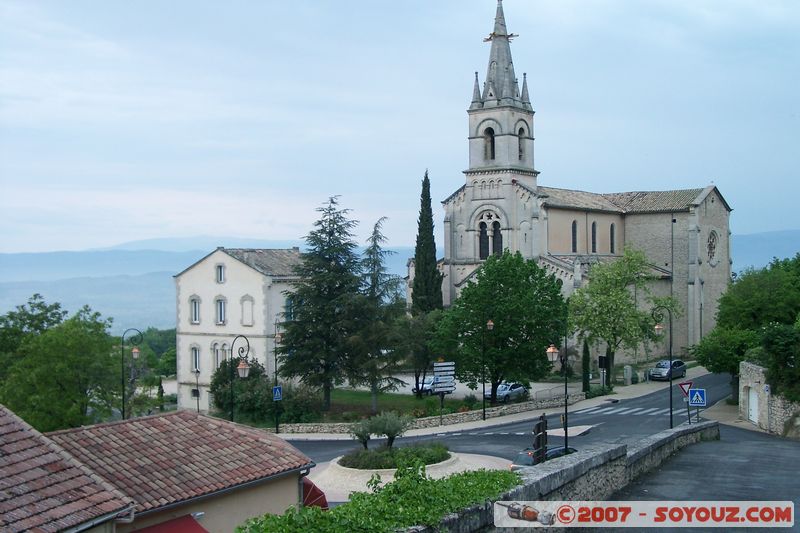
(509, 391)
(663, 371)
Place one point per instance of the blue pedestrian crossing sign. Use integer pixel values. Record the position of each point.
(697, 397)
(277, 393)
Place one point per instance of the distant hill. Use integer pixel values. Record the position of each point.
(758, 249)
(133, 282)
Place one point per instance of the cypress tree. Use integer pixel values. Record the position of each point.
(586, 364)
(427, 288)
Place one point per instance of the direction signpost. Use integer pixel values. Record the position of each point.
(685, 386)
(444, 382)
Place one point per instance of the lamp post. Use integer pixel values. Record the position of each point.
(489, 327)
(243, 369)
(134, 354)
(658, 316)
(278, 339)
(553, 355)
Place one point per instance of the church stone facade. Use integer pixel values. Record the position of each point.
(684, 233)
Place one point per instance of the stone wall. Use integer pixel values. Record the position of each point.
(775, 414)
(590, 474)
(448, 419)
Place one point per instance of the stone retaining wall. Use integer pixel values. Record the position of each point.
(590, 474)
(452, 418)
(774, 413)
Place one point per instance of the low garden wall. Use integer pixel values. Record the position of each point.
(448, 419)
(590, 474)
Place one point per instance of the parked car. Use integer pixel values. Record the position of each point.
(525, 457)
(663, 371)
(509, 391)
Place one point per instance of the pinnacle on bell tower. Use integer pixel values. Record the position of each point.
(500, 115)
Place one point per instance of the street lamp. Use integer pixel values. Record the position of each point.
(134, 354)
(278, 339)
(243, 369)
(490, 327)
(553, 355)
(658, 316)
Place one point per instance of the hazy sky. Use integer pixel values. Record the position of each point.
(126, 120)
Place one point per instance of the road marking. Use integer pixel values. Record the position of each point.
(627, 410)
(520, 433)
(604, 410)
(616, 411)
(633, 411)
(589, 410)
(503, 433)
(456, 434)
(661, 412)
(648, 411)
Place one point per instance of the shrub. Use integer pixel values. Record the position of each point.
(635, 378)
(470, 400)
(394, 457)
(361, 431)
(412, 499)
(597, 390)
(390, 424)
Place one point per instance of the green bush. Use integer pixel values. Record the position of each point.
(361, 431)
(390, 424)
(470, 400)
(597, 390)
(411, 499)
(635, 378)
(393, 457)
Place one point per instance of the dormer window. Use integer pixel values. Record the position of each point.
(220, 273)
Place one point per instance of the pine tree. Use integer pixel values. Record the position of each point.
(315, 341)
(426, 293)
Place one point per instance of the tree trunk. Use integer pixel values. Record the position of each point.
(610, 359)
(326, 396)
(418, 382)
(374, 394)
(586, 363)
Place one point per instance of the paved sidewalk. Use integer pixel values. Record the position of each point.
(621, 392)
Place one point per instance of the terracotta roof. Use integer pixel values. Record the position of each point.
(577, 199)
(268, 261)
(654, 201)
(43, 488)
(166, 459)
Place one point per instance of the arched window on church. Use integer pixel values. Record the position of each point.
(488, 143)
(483, 241)
(594, 237)
(574, 236)
(521, 141)
(612, 239)
(497, 239)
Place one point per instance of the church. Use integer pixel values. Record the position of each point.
(684, 233)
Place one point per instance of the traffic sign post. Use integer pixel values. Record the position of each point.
(444, 381)
(277, 393)
(685, 386)
(697, 399)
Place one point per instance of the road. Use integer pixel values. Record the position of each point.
(622, 422)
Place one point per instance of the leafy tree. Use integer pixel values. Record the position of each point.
(416, 336)
(723, 349)
(426, 295)
(373, 360)
(390, 424)
(781, 343)
(528, 312)
(759, 297)
(25, 321)
(316, 339)
(67, 375)
(252, 396)
(605, 310)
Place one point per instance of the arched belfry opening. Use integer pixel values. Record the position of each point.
(497, 239)
(488, 144)
(483, 241)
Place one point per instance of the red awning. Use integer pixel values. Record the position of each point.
(183, 524)
(313, 495)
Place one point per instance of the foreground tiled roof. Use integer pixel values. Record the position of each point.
(268, 261)
(43, 488)
(654, 201)
(165, 459)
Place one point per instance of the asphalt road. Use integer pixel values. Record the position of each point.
(621, 422)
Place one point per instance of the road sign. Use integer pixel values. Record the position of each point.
(450, 365)
(277, 393)
(766, 389)
(685, 386)
(443, 388)
(697, 397)
(444, 379)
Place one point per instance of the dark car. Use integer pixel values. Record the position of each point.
(509, 391)
(525, 457)
(663, 371)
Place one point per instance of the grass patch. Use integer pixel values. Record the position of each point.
(384, 457)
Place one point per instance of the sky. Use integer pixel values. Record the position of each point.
(122, 121)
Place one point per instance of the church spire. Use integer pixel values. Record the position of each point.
(477, 102)
(500, 77)
(526, 99)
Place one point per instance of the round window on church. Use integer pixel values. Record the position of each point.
(712, 247)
